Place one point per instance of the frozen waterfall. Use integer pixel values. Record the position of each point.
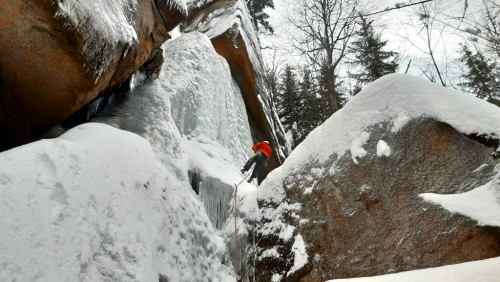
(100, 203)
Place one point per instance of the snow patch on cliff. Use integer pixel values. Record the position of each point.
(357, 150)
(300, 255)
(236, 18)
(106, 25)
(481, 204)
(383, 149)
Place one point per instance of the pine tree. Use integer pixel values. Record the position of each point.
(271, 78)
(289, 102)
(260, 18)
(307, 110)
(480, 78)
(370, 56)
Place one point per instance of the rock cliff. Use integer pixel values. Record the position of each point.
(56, 56)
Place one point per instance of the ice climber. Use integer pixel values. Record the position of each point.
(262, 153)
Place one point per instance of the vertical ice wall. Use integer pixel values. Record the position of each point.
(195, 118)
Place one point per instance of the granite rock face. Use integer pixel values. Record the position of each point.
(368, 219)
(49, 68)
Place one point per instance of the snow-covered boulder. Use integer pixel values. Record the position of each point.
(228, 24)
(96, 204)
(56, 56)
(367, 191)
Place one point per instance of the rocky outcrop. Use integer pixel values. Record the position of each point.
(361, 213)
(368, 219)
(227, 23)
(53, 60)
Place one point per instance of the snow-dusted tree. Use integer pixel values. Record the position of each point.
(482, 25)
(370, 56)
(308, 98)
(259, 16)
(481, 77)
(271, 77)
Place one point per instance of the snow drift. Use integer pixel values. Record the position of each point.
(96, 205)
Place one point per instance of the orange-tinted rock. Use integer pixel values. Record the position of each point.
(44, 75)
(227, 24)
(368, 219)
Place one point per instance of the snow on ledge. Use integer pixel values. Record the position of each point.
(481, 204)
(106, 25)
(477, 271)
(234, 15)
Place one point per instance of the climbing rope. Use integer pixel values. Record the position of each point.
(236, 227)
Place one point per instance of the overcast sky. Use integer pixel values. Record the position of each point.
(395, 27)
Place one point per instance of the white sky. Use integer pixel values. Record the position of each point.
(394, 30)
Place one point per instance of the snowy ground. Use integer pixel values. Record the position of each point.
(477, 271)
